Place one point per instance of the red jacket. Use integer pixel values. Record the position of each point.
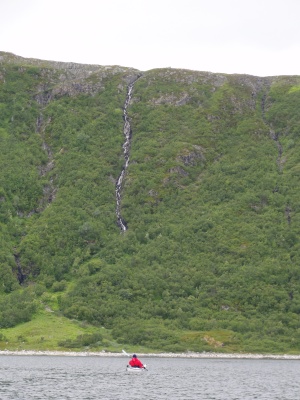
(135, 362)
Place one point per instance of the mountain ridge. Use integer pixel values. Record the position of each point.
(7, 57)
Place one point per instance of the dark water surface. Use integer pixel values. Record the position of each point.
(87, 378)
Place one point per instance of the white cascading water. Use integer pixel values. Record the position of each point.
(126, 148)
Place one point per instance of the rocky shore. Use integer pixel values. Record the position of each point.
(164, 355)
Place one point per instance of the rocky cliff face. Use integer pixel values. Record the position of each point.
(67, 78)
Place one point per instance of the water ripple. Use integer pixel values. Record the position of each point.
(90, 378)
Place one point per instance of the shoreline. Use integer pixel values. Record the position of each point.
(203, 355)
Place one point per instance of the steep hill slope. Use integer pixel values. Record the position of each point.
(208, 255)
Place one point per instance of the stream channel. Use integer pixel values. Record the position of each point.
(126, 149)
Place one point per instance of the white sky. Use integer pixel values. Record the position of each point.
(257, 37)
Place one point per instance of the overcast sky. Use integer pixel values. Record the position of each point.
(257, 37)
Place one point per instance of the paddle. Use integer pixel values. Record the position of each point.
(126, 354)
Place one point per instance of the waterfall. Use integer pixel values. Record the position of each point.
(126, 147)
(21, 277)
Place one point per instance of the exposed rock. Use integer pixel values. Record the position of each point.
(152, 193)
(192, 158)
(179, 171)
(172, 99)
(288, 211)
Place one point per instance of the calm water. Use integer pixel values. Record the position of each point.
(84, 378)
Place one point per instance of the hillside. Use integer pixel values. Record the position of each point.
(185, 238)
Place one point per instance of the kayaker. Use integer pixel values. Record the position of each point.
(135, 362)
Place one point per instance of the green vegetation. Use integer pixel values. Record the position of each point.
(47, 331)
(211, 257)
